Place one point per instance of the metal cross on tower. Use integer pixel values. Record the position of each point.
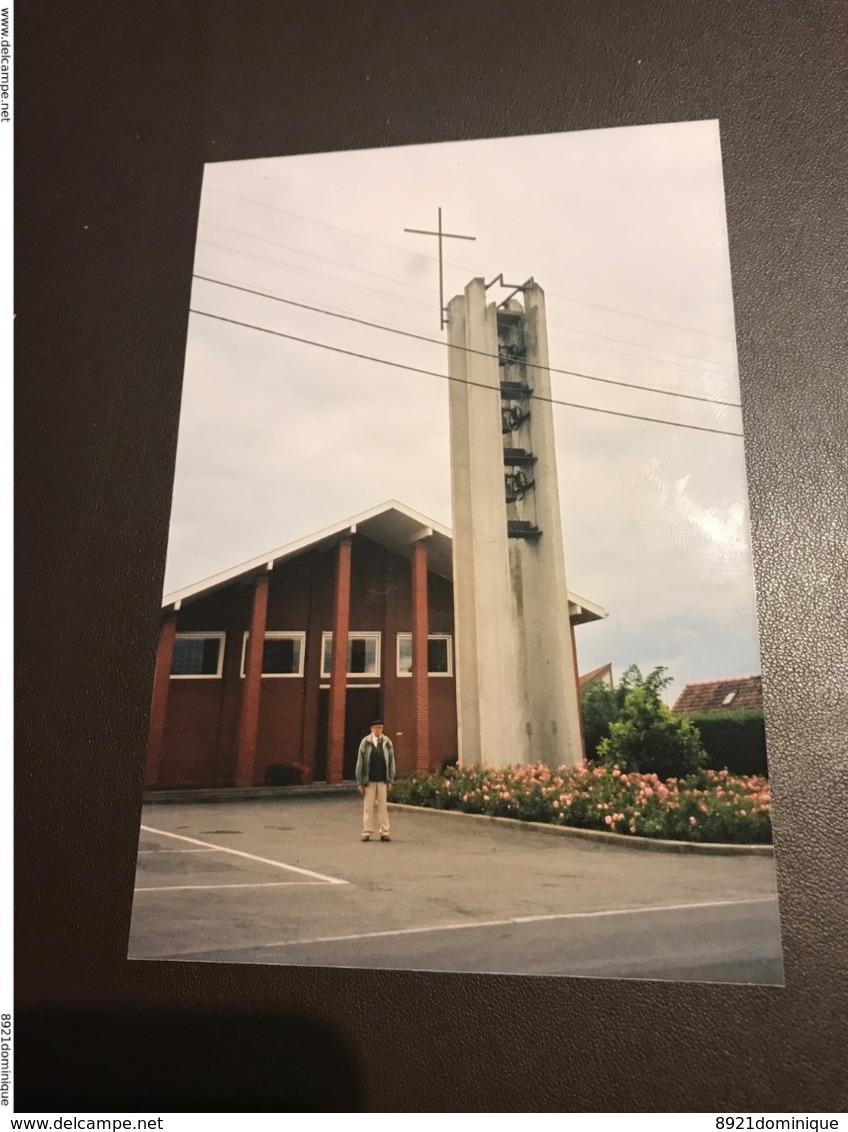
(442, 235)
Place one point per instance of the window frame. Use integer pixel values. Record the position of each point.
(201, 636)
(277, 634)
(367, 634)
(430, 637)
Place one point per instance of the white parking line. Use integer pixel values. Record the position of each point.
(261, 884)
(178, 851)
(523, 920)
(247, 856)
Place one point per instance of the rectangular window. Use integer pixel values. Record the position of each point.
(439, 656)
(404, 654)
(282, 654)
(197, 655)
(363, 654)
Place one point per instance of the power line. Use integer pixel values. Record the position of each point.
(324, 224)
(310, 271)
(641, 345)
(432, 259)
(466, 349)
(642, 317)
(405, 299)
(448, 377)
(428, 290)
(695, 367)
(314, 255)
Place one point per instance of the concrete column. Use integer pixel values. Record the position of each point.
(420, 667)
(161, 687)
(489, 686)
(252, 690)
(555, 707)
(338, 677)
(465, 620)
(577, 686)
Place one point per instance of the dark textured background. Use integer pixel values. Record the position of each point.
(118, 107)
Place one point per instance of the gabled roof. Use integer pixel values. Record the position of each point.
(392, 525)
(602, 675)
(736, 694)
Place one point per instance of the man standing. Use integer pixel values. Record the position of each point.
(375, 773)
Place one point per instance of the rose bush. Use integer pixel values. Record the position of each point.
(709, 806)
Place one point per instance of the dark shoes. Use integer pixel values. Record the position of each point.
(366, 837)
(385, 837)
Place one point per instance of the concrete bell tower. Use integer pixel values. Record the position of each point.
(517, 699)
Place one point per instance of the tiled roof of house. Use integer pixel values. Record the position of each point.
(736, 694)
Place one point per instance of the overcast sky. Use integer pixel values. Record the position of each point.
(624, 229)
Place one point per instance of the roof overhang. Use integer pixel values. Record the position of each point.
(580, 611)
(392, 525)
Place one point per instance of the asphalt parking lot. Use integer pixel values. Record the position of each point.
(289, 881)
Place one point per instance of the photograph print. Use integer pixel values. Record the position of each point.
(457, 665)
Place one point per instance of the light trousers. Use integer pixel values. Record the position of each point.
(375, 792)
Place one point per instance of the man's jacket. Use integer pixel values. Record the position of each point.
(367, 749)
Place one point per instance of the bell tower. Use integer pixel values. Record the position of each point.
(517, 699)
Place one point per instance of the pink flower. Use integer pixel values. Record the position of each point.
(691, 821)
(608, 819)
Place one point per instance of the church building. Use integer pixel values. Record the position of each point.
(248, 676)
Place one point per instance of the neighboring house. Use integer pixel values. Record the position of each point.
(602, 675)
(742, 693)
(222, 711)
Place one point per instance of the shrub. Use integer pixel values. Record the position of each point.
(649, 739)
(601, 705)
(450, 760)
(733, 740)
(709, 806)
(284, 774)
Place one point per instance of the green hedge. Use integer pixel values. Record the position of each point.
(733, 740)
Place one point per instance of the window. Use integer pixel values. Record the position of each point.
(439, 658)
(282, 654)
(363, 654)
(197, 655)
(729, 698)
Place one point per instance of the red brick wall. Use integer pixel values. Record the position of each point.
(201, 731)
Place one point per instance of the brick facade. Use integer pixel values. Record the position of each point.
(200, 725)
